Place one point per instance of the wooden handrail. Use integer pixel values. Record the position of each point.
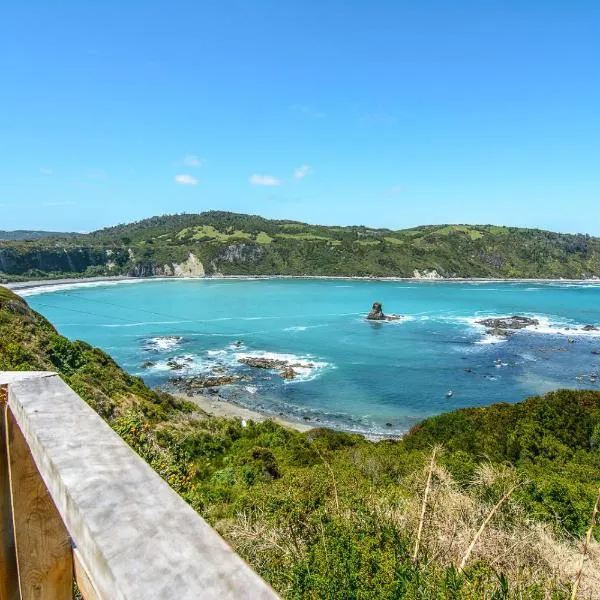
(82, 504)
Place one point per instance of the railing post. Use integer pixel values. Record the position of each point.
(43, 546)
(9, 582)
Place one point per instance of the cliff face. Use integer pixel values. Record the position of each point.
(35, 262)
(19, 261)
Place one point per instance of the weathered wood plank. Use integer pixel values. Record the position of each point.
(43, 546)
(83, 579)
(9, 582)
(135, 536)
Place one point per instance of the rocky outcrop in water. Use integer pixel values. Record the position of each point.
(377, 314)
(179, 363)
(285, 368)
(194, 385)
(262, 363)
(590, 328)
(505, 326)
(288, 373)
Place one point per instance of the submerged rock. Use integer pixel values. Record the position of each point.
(288, 373)
(179, 362)
(590, 328)
(496, 331)
(192, 385)
(147, 364)
(162, 343)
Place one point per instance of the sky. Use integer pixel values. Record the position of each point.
(382, 113)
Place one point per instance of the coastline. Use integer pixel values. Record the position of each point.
(217, 407)
(75, 281)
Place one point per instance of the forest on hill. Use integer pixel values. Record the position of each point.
(486, 502)
(226, 243)
(24, 234)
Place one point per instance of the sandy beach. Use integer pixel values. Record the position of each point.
(213, 405)
(25, 285)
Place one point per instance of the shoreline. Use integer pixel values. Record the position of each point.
(218, 407)
(75, 281)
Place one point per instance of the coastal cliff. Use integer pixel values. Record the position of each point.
(232, 244)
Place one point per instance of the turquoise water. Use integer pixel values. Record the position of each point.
(379, 378)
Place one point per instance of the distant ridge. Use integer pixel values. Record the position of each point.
(23, 234)
(218, 242)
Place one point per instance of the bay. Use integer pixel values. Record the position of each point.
(371, 377)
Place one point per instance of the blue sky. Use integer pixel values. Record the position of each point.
(385, 113)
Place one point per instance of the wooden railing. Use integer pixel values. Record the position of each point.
(77, 504)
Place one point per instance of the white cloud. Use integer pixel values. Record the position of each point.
(186, 179)
(302, 172)
(45, 171)
(191, 160)
(267, 180)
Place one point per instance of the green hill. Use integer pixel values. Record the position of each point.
(23, 234)
(235, 244)
(324, 514)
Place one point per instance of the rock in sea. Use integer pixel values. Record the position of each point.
(505, 326)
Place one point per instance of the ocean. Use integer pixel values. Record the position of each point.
(352, 374)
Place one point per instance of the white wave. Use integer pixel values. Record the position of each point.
(305, 367)
(258, 318)
(216, 352)
(142, 323)
(305, 327)
(187, 363)
(62, 287)
(587, 284)
(547, 325)
(491, 339)
(162, 343)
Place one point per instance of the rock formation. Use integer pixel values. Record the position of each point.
(285, 368)
(377, 314)
(504, 326)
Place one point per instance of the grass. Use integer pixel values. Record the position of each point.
(302, 236)
(263, 238)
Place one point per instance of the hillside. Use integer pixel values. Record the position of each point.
(331, 515)
(22, 234)
(234, 244)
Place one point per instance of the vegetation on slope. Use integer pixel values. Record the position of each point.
(24, 234)
(238, 244)
(332, 515)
